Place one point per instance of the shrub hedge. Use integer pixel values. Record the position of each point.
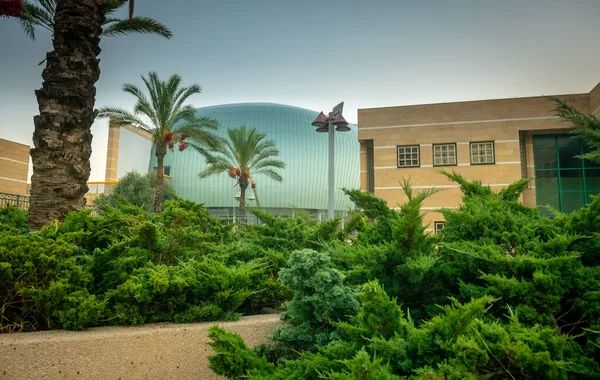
(131, 266)
(500, 293)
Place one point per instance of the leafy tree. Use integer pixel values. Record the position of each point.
(136, 189)
(587, 127)
(167, 119)
(41, 13)
(244, 154)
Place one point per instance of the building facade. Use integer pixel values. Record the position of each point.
(14, 167)
(495, 141)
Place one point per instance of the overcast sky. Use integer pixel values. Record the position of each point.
(314, 54)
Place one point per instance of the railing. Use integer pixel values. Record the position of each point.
(19, 201)
(22, 202)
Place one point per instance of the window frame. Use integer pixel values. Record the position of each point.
(436, 229)
(408, 146)
(482, 142)
(446, 144)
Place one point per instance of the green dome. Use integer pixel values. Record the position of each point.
(303, 150)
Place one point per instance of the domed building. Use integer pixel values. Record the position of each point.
(304, 151)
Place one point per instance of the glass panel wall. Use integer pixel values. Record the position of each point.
(563, 181)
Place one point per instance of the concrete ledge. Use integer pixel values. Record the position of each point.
(154, 351)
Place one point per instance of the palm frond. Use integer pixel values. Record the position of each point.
(142, 106)
(143, 25)
(41, 14)
(151, 83)
(269, 163)
(215, 167)
(199, 131)
(247, 149)
(270, 173)
(184, 93)
(27, 20)
(262, 155)
(202, 149)
(121, 117)
(111, 6)
(37, 15)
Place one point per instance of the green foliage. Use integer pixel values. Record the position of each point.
(40, 14)
(43, 285)
(234, 359)
(500, 293)
(393, 248)
(320, 300)
(379, 315)
(586, 127)
(137, 190)
(13, 219)
(130, 266)
(289, 234)
(374, 223)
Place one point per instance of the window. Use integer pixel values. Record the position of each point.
(482, 153)
(444, 154)
(408, 156)
(437, 227)
(563, 181)
(166, 170)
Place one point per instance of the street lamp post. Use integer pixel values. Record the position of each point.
(326, 124)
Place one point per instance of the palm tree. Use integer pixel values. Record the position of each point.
(167, 119)
(41, 13)
(244, 154)
(62, 138)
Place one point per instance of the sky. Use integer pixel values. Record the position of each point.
(315, 54)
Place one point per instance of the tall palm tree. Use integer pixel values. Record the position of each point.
(244, 154)
(40, 14)
(167, 119)
(62, 138)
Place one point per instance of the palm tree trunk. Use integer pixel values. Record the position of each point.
(242, 203)
(62, 138)
(161, 151)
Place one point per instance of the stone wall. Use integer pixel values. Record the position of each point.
(156, 351)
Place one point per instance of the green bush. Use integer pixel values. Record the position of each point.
(129, 266)
(13, 219)
(320, 300)
(500, 293)
(135, 189)
(44, 285)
